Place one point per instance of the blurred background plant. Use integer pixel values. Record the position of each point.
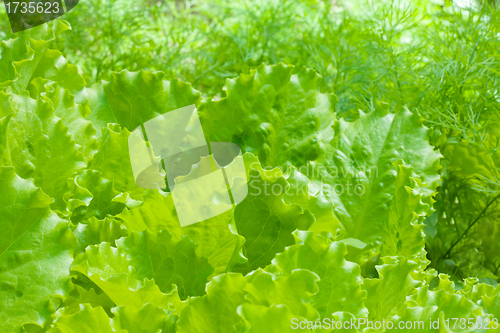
(437, 57)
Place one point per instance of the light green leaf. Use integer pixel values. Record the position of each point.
(132, 98)
(491, 302)
(94, 231)
(274, 319)
(72, 114)
(82, 319)
(263, 218)
(214, 238)
(403, 229)
(359, 177)
(54, 67)
(20, 56)
(387, 293)
(295, 290)
(481, 293)
(21, 202)
(313, 204)
(470, 162)
(215, 312)
(90, 195)
(136, 97)
(94, 97)
(80, 295)
(340, 280)
(441, 303)
(285, 297)
(113, 160)
(149, 319)
(254, 298)
(353, 242)
(39, 146)
(283, 119)
(37, 247)
(109, 268)
(462, 236)
(157, 256)
(155, 214)
(141, 257)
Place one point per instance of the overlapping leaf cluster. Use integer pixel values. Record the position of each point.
(332, 227)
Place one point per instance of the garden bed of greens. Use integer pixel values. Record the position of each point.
(370, 133)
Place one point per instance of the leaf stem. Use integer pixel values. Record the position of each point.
(446, 255)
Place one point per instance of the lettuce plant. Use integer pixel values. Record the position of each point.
(347, 219)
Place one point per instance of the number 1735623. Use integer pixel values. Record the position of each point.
(32, 7)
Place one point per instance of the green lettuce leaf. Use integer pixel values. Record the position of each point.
(263, 218)
(214, 237)
(285, 296)
(94, 98)
(112, 160)
(358, 176)
(38, 146)
(72, 114)
(237, 304)
(340, 280)
(314, 204)
(109, 268)
(80, 295)
(387, 294)
(481, 293)
(149, 318)
(403, 229)
(440, 304)
(37, 248)
(53, 66)
(283, 119)
(21, 56)
(90, 195)
(132, 98)
(294, 290)
(157, 256)
(276, 318)
(94, 231)
(141, 257)
(216, 311)
(82, 319)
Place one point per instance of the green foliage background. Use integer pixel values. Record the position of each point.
(317, 94)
